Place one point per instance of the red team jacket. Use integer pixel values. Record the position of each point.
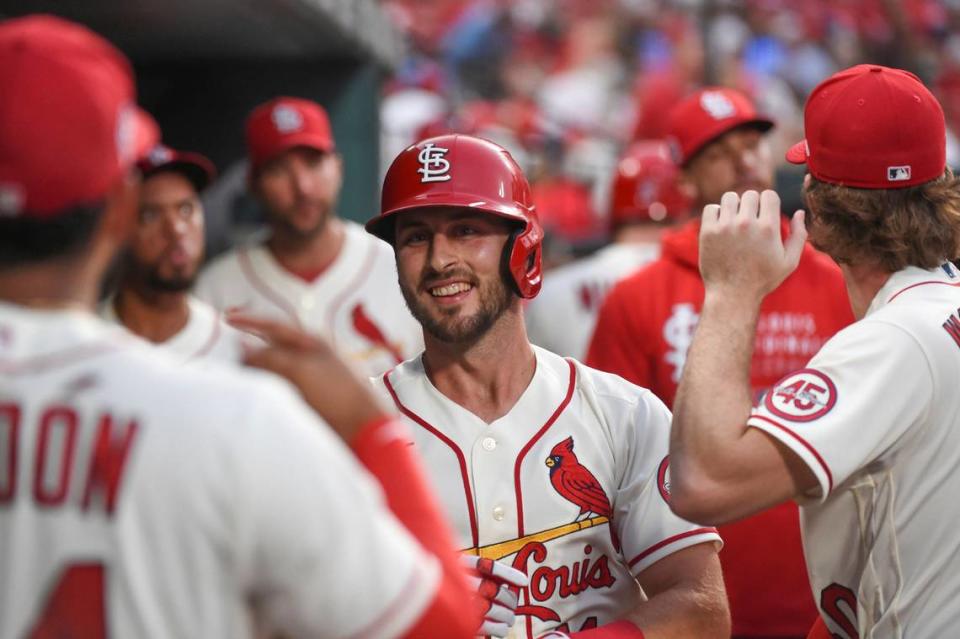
(643, 332)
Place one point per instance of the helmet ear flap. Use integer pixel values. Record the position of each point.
(506, 260)
(521, 260)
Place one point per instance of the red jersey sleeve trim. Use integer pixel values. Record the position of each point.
(803, 442)
(670, 540)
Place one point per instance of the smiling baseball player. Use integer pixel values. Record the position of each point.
(161, 263)
(867, 435)
(141, 498)
(315, 271)
(552, 468)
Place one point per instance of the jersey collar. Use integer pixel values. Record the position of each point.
(912, 277)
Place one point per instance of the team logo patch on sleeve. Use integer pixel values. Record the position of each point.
(802, 396)
(663, 479)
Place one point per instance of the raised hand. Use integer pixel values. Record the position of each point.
(335, 391)
(741, 249)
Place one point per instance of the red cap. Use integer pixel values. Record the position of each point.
(69, 123)
(704, 116)
(193, 166)
(645, 187)
(872, 127)
(284, 123)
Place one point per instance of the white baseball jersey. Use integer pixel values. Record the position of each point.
(876, 417)
(206, 336)
(141, 498)
(355, 304)
(562, 317)
(538, 487)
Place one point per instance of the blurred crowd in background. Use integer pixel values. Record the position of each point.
(565, 85)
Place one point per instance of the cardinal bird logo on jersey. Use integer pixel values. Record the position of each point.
(577, 484)
(365, 326)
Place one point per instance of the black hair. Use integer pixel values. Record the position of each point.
(28, 239)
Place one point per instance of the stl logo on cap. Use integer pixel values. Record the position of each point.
(434, 167)
(11, 200)
(717, 105)
(286, 119)
(126, 133)
(160, 155)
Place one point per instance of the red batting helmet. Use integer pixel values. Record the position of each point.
(645, 186)
(469, 172)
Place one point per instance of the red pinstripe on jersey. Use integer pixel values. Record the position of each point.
(352, 286)
(461, 459)
(246, 267)
(211, 342)
(540, 433)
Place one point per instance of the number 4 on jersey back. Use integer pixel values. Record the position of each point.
(75, 607)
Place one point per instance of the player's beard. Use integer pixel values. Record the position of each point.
(283, 224)
(494, 299)
(160, 284)
(150, 278)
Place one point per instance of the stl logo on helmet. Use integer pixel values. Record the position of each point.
(434, 167)
(717, 105)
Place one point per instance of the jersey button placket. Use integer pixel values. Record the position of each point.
(493, 497)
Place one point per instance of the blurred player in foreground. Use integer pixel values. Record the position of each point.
(648, 320)
(867, 434)
(315, 271)
(645, 201)
(139, 498)
(557, 470)
(162, 261)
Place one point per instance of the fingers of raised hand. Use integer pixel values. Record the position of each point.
(502, 573)
(501, 612)
(711, 215)
(749, 205)
(798, 237)
(729, 204)
(276, 360)
(770, 208)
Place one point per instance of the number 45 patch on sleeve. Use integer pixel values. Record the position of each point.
(802, 396)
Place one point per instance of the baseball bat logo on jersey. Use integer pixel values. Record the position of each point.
(802, 396)
(434, 167)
